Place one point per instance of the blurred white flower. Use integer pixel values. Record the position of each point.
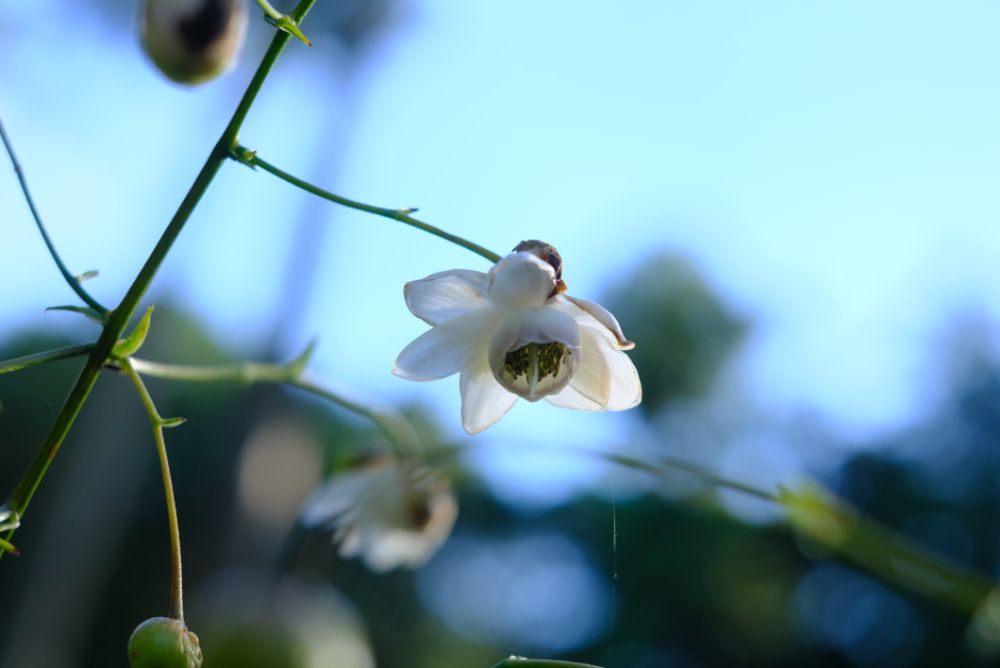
(512, 333)
(191, 41)
(388, 512)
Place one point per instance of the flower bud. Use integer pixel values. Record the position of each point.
(162, 642)
(192, 41)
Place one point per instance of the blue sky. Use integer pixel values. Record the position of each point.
(831, 169)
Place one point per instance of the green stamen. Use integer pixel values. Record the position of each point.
(545, 358)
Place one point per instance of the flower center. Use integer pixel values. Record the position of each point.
(536, 369)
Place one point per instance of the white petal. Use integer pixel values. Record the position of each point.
(533, 325)
(484, 402)
(589, 313)
(593, 374)
(447, 347)
(626, 390)
(445, 295)
(605, 378)
(570, 398)
(521, 279)
(334, 498)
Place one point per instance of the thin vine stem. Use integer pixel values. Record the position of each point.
(157, 423)
(818, 515)
(404, 216)
(522, 662)
(71, 280)
(34, 359)
(396, 427)
(118, 319)
(664, 464)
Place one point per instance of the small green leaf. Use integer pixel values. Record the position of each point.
(167, 423)
(87, 311)
(298, 365)
(285, 23)
(7, 547)
(87, 275)
(131, 344)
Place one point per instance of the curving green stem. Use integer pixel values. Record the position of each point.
(71, 280)
(286, 23)
(250, 158)
(395, 426)
(118, 319)
(814, 513)
(34, 359)
(664, 464)
(157, 422)
(522, 662)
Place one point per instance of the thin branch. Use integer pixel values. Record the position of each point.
(118, 319)
(71, 280)
(250, 158)
(665, 464)
(35, 359)
(820, 516)
(157, 422)
(394, 425)
(522, 662)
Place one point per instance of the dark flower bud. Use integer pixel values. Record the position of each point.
(191, 41)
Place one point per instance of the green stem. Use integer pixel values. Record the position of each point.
(822, 517)
(230, 135)
(269, 10)
(521, 662)
(664, 465)
(287, 23)
(35, 359)
(157, 422)
(249, 157)
(7, 547)
(119, 318)
(71, 280)
(396, 428)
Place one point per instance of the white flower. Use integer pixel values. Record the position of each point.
(512, 333)
(388, 512)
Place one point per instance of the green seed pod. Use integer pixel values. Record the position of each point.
(162, 642)
(192, 41)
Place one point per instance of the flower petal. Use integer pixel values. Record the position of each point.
(570, 398)
(593, 374)
(533, 325)
(521, 279)
(445, 295)
(597, 314)
(484, 402)
(447, 347)
(626, 390)
(605, 378)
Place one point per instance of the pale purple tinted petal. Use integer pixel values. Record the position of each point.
(446, 295)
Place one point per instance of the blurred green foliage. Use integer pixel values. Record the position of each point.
(692, 586)
(683, 331)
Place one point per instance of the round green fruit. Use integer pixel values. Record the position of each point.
(161, 642)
